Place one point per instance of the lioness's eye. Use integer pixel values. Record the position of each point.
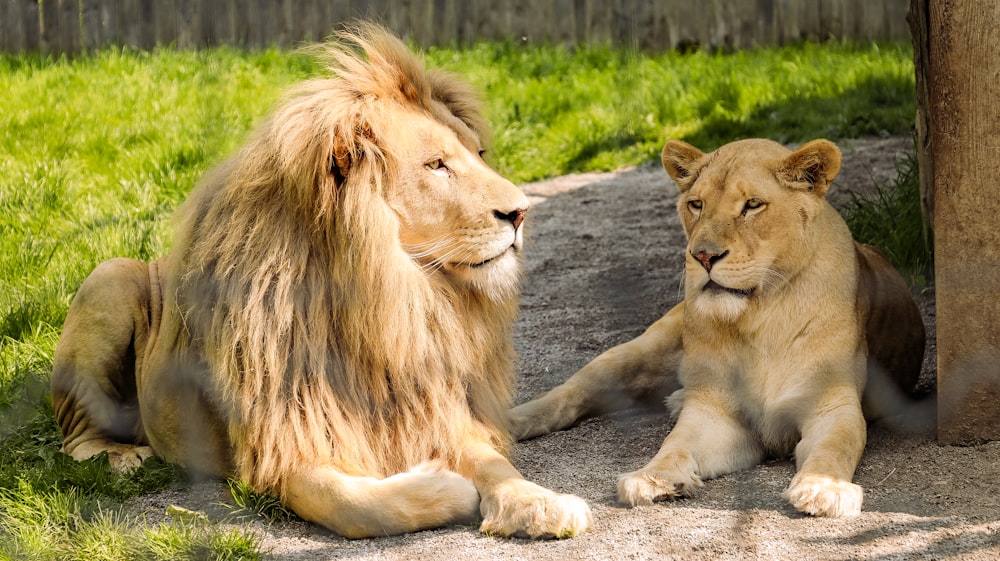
(752, 204)
(482, 153)
(694, 204)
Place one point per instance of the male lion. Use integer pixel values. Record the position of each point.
(783, 313)
(333, 323)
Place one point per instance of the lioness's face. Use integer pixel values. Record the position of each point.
(748, 210)
(457, 215)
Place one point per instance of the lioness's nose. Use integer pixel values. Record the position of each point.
(515, 216)
(708, 259)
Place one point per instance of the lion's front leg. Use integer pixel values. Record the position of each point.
(427, 496)
(643, 369)
(707, 441)
(827, 456)
(512, 506)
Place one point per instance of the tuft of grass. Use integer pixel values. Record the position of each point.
(49, 525)
(891, 218)
(253, 502)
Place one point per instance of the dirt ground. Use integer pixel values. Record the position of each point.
(604, 257)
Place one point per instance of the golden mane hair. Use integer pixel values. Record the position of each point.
(324, 338)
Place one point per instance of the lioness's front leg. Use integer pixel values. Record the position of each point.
(428, 496)
(707, 441)
(644, 368)
(826, 457)
(512, 506)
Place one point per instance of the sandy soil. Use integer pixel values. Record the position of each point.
(604, 257)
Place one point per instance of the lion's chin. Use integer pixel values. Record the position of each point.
(498, 275)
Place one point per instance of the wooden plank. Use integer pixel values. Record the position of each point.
(13, 22)
(265, 33)
(204, 30)
(90, 25)
(165, 26)
(621, 23)
(340, 12)
(69, 26)
(445, 31)
(895, 18)
(107, 15)
(221, 20)
(186, 18)
(463, 22)
(146, 22)
(48, 26)
(832, 13)
(243, 22)
(421, 20)
(558, 23)
(128, 22)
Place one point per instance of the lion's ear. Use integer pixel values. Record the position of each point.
(340, 164)
(679, 159)
(347, 147)
(813, 166)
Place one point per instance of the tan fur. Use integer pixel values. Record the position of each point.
(785, 321)
(334, 322)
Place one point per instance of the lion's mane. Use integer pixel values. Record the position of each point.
(324, 340)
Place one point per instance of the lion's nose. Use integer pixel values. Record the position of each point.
(515, 216)
(708, 259)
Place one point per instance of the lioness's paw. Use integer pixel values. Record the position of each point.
(526, 421)
(646, 486)
(822, 495)
(522, 509)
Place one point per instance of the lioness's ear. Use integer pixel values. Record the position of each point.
(679, 159)
(813, 166)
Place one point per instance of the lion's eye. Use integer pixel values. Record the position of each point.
(438, 166)
(752, 204)
(695, 205)
(482, 153)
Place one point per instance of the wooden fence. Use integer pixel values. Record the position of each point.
(71, 26)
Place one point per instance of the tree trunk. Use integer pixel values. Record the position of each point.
(957, 53)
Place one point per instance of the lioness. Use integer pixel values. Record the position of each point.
(785, 318)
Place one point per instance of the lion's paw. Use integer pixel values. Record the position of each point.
(435, 492)
(125, 457)
(523, 509)
(822, 495)
(647, 485)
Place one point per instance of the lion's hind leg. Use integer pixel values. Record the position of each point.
(93, 375)
(427, 496)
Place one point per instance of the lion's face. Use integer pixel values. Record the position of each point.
(748, 211)
(457, 215)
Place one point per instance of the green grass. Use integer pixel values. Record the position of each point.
(555, 112)
(890, 218)
(97, 151)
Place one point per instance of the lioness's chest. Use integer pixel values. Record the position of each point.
(771, 389)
